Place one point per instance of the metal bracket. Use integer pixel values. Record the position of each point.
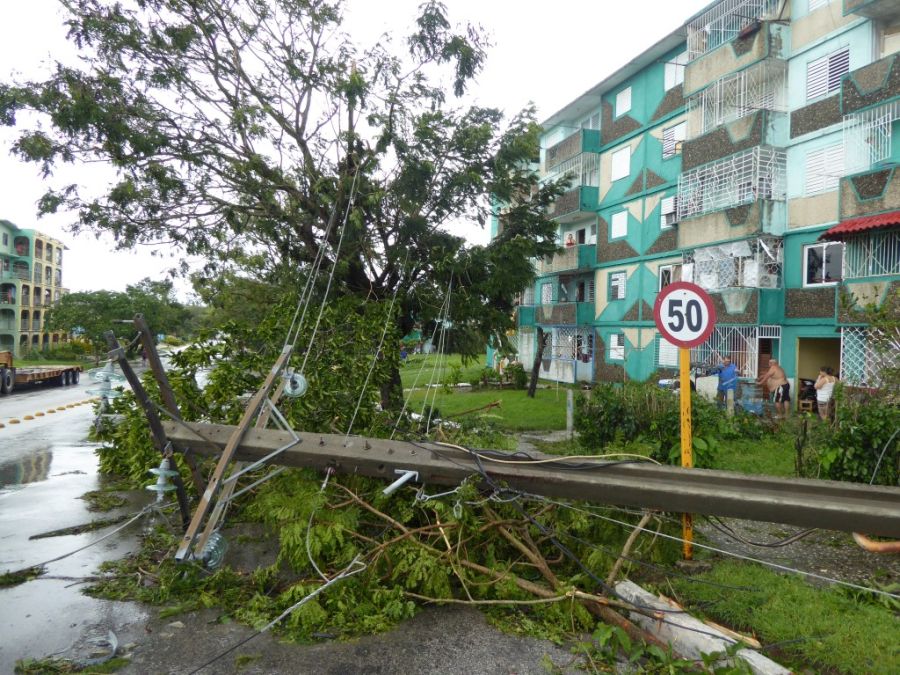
(407, 475)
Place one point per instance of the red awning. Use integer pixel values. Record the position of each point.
(864, 224)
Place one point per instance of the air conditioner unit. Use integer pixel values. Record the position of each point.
(669, 211)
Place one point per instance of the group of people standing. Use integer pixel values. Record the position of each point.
(777, 384)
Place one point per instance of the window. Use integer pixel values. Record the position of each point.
(822, 263)
(667, 353)
(669, 274)
(546, 294)
(817, 4)
(824, 74)
(5, 239)
(618, 225)
(675, 71)
(668, 212)
(617, 285)
(617, 347)
(623, 101)
(592, 122)
(671, 140)
(824, 169)
(621, 163)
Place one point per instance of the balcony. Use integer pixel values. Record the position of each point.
(36, 325)
(575, 204)
(748, 263)
(582, 141)
(870, 192)
(17, 273)
(7, 298)
(725, 21)
(874, 9)
(743, 178)
(581, 257)
(762, 86)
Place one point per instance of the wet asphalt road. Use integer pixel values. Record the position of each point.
(45, 466)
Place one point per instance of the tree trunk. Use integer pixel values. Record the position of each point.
(392, 391)
(536, 367)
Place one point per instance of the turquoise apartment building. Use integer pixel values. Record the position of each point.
(30, 282)
(752, 151)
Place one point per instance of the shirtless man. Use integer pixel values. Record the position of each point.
(776, 381)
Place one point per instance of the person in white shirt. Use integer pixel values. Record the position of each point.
(825, 392)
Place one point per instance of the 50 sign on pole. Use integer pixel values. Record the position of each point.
(685, 316)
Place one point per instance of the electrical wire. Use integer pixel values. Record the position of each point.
(718, 524)
(714, 549)
(106, 536)
(346, 572)
(881, 456)
(378, 351)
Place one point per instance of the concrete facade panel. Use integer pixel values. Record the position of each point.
(814, 210)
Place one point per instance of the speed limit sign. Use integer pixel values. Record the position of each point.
(684, 314)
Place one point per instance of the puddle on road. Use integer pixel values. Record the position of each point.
(42, 477)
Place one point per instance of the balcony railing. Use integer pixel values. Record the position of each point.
(583, 141)
(748, 263)
(36, 325)
(724, 22)
(758, 173)
(7, 324)
(868, 137)
(25, 275)
(760, 87)
(7, 299)
(578, 257)
(582, 201)
(558, 314)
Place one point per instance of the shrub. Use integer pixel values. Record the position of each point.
(623, 413)
(865, 426)
(517, 375)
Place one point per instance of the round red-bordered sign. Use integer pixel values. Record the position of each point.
(684, 314)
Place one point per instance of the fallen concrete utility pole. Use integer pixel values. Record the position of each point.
(848, 507)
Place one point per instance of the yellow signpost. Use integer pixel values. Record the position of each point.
(685, 317)
(687, 444)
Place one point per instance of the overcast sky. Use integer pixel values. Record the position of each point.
(547, 52)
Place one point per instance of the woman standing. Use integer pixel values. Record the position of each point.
(825, 392)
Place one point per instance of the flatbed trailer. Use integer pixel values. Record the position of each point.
(54, 375)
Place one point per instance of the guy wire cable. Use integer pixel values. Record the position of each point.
(408, 398)
(387, 322)
(337, 254)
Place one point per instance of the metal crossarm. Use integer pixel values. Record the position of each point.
(187, 545)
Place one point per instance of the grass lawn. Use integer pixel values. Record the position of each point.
(421, 370)
(545, 412)
(772, 455)
(821, 626)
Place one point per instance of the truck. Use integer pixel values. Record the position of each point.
(11, 376)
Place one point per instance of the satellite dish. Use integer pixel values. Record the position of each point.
(105, 374)
(295, 385)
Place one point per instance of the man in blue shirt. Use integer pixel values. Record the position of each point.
(727, 383)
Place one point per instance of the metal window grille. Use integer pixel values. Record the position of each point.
(759, 87)
(723, 22)
(867, 136)
(748, 263)
(758, 173)
(872, 255)
(866, 353)
(741, 343)
(666, 353)
(584, 169)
